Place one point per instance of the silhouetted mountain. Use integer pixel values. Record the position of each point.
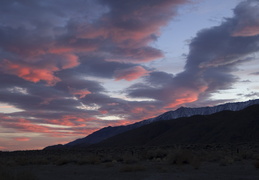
(222, 127)
(187, 112)
(108, 132)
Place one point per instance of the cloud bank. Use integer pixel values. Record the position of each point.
(55, 57)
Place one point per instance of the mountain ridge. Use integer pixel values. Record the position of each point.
(221, 127)
(108, 132)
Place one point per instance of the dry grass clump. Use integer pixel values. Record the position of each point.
(155, 154)
(26, 160)
(247, 154)
(132, 168)
(212, 156)
(90, 159)
(22, 161)
(183, 157)
(129, 159)
(80, 160)
(63, 161)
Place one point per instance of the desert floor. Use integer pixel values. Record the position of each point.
(243, 170)
(224, 163)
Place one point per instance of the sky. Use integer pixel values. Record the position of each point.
(69, 68)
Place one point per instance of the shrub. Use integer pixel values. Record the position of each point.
(129, 159)
(180, 157)
(183, 157)
(64, 161)
(22, 161)
(90, 159)
(156, 154)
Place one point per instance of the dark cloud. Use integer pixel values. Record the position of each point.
(250, 95)
(99, 67)
(247, 19)
(157, 78)
(41, 39)
(255, 73)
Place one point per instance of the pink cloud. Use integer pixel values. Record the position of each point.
(247, 31)
(22, 124)
(27, 126)
(28, 73)
(79, 92)
(247, 19)
(68, 61)
(130, 74)
(137, 21)
(35, 73)
(22, 139)
(68, 120)
(182, 96)
(3, 148)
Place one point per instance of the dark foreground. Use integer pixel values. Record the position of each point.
(185, 162)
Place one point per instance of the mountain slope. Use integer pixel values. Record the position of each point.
(187, 112)
(108, 132)
(222, 127)
(105, 133)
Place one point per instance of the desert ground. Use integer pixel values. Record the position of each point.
(192, 162)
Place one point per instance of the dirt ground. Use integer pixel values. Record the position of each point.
(190, 162)
(244, 170)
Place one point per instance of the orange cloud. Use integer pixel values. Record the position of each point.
(3, 148)
(23, 125)
(103, 111)
(68, 61)
(35, 74)
(247, 31)
(130, 74)
(247, 21)
(22, 139)
(28, 73)
(69, 120)
(186, 96)
(181, 101)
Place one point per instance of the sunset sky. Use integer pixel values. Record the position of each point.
(71, 67)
